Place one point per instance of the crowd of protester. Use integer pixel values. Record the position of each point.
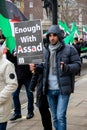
(52, 79)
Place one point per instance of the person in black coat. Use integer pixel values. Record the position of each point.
(24, 76)
(77, 45)
(41, 100)
(61, 63)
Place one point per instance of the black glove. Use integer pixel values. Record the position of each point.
(64, 67)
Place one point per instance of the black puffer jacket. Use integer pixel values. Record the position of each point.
(68, 54)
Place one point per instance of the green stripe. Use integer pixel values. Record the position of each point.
(5, 25)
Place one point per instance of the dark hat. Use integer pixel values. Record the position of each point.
(76, 38)
(55, 30)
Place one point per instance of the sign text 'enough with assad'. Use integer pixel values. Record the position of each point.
(29, 41)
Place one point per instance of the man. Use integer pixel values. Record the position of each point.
(61, 64)
(77, 45)
(24, 76)
(8, 84)
(41, 100)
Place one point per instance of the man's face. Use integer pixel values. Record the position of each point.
(53, 38)
(75, 41)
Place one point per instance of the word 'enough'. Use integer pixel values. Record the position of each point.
(32, 29)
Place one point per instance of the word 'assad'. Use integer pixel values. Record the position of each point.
(33, 48)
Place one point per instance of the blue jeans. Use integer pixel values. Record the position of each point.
(17, 105)
(3, 126)
(58, 105)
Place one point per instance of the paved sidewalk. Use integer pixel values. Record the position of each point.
(76, 115)
(24, 124)
(77, 111)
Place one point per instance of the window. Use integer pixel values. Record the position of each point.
(31, 4)
(18, 4)
(30, 16)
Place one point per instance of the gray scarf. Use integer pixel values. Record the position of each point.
(53, 49)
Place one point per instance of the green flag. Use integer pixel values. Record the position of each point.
(64, 27)
(69, 39)
(85, 29)
(5, 25)
(9, 14)
(75, 29)
(74, 33)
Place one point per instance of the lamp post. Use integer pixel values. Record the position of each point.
(54, 11)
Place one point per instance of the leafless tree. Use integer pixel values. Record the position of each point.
(67, 10)
(72, 10)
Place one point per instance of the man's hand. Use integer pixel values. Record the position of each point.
(64, 67)
(32, 67)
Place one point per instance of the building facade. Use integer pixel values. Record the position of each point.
(33, 9)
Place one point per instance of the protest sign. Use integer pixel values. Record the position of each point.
(28, 36)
